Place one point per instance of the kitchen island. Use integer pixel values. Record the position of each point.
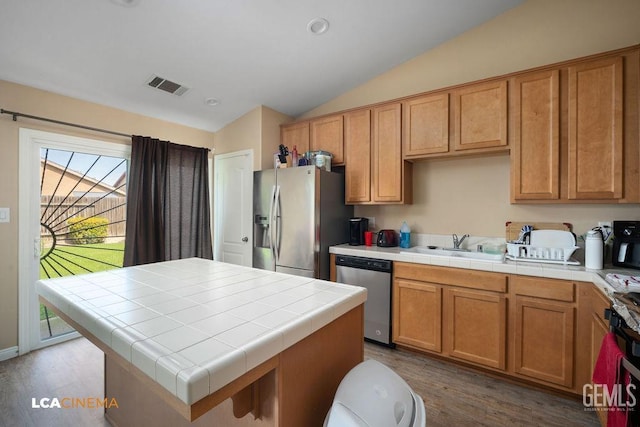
(198, 342)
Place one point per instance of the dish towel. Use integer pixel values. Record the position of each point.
(609, 372)
(623, 283)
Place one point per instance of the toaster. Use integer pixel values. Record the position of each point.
(387, 238)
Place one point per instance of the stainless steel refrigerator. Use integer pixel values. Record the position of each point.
(297, 214)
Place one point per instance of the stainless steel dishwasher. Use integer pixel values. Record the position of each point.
(375, 275)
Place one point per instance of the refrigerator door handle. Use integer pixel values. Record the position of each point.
(270, 224)
(275, 218)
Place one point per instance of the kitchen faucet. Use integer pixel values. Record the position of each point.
(457, 242)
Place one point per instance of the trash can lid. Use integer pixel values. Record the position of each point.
(371, 394)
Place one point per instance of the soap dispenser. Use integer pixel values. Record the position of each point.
(405, 235)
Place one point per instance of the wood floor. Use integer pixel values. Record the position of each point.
(453, 396)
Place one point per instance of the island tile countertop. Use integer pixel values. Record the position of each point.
(195, 325)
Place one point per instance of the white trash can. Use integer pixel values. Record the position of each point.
(372, 395)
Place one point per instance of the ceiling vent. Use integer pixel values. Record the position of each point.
(167, 85)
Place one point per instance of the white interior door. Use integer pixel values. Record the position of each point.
(233, 201)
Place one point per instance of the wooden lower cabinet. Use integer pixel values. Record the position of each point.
(476, 326)
(417, 314)
(452, 312)
(543, 334)
(598, 328)
(538, 330)
(598, 325)
(544, 340)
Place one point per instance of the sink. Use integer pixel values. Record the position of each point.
(452, 252)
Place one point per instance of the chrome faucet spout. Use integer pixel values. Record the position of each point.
(458, 241)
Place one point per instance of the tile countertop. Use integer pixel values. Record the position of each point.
(195, 325)
(525, 268)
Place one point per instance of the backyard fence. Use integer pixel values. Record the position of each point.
(56, 210)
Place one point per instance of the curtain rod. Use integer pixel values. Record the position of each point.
(44, 119)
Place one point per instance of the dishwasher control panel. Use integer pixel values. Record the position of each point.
(364, 263)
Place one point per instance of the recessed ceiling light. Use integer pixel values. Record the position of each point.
(126, 3)
(211, 102)
(318, 26)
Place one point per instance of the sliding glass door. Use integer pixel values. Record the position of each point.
(73, 191)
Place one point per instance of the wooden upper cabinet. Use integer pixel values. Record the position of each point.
(386, 156)
(295, 134)
(535, 150)
(480, 116)
(357, 156)
(596, 130)
(327, 135)
(426, 125)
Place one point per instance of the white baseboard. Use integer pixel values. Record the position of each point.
(8, 353)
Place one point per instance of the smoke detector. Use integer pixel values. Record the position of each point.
(167, 85)
(318, 26)
(126, 3)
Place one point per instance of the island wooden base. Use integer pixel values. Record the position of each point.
(140, 405)
(294, 388)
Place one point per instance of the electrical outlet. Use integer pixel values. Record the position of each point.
(606, 228)
(372, 222)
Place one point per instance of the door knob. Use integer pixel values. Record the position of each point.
(245, 239)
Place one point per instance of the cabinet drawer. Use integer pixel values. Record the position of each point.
(473, 279)
(559, 290)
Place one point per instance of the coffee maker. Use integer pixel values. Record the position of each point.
(357, 227)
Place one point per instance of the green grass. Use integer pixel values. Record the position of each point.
(68, 261)
(72, 262)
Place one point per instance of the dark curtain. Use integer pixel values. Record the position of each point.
(167, 203)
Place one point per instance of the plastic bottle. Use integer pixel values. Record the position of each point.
(593, 250)
(405, 235)
(294, 156)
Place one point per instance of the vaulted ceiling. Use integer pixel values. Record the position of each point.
(240, 53)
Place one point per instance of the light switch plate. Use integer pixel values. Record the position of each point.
(5, 215)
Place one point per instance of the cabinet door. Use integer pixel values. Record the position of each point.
(417, 314)
(480, 116)
(598, 329)
(357, 153)
(476, 326)
(297, 135)
(598, 324)
(327, 135)
(426, 125)
(544, 340)
(387, 154)
(595, 130)
(535, 152)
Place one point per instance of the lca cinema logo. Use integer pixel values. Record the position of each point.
(73, 402)
(600, 397)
